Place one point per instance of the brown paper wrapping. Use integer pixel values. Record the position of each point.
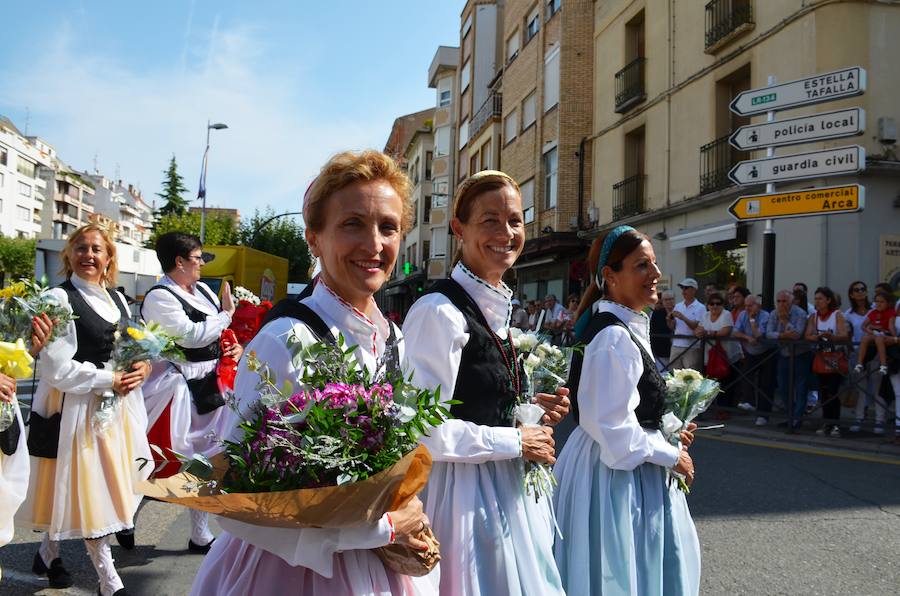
(352, 504)
(405, 560)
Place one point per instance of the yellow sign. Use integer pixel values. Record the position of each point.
(802, 203)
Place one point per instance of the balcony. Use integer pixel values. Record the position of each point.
(726, 20)
(628, 196)
(630, 89)
(489, 112)
(716, 160)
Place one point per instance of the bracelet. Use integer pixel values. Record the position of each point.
(391, 524)
(519, 433)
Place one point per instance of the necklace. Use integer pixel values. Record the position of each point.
(512, 368)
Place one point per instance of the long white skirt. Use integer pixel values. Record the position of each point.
(494, 538)
(14, 470)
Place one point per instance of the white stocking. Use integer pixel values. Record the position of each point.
(200, 533)
(101, 556)
(49, 549)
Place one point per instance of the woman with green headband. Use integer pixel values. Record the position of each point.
(494, 538)
(625, 529)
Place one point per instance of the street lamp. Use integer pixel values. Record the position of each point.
(201, 193)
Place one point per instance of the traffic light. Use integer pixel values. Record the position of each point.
(407, 268)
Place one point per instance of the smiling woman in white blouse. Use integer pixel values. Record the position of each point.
(626, 530)
(494, 538)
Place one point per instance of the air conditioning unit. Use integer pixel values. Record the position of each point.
(887, 131)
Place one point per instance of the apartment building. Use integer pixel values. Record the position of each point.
(128, 217)
(546, 86)
(68, 203)
(665, 73)
(22, 191)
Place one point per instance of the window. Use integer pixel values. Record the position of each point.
(486, 156)
(415, 213)
(532, 24)
(426, 250)
(463, 133)
(24, 189)
(415, 171)
(527, 190)
(467, 25)
(411, 255)
(529, 107)
(444, 99)
(473, 164)
(512, 47)
(465, 76)
(426, 210)
(550, 166)
(428, 158)
(553, 7)
(551, 77)
(439, 242)
(442, 141)
(1, 179)
(26, 168)
(510, 126)
(23, 213)
(3, 157)
(440, 193)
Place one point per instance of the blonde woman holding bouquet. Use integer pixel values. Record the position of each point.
(84, 477)
(626, 529)
(495, 539)
(356, 213)
(183, 399)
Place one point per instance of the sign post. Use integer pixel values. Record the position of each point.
(768, 289)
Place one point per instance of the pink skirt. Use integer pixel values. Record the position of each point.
(235, 568)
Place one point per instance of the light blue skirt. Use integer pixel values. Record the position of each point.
(624, 531)
(495, 540)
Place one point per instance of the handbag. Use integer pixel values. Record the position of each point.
(43, 433)
(828, 361)
(205, 392)
(717, 365)
(9, 438)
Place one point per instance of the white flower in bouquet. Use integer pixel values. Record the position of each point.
(526, 342)
(532, 361)
(688, 394)
(243, 294)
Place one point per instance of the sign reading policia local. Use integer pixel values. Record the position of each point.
(802, 203)
(806, 129)
(820, 88)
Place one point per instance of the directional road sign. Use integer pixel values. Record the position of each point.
(807, 129)
(829, 86)
(799, 166)
(802, 203)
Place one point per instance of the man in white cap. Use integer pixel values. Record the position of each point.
(687, 352)
(519, 317)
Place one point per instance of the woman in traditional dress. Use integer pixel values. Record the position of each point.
(84, 484)
(494, 538)
(184, 404)
(356, 213)
(626, 528)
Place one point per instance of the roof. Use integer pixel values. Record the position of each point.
(403, 130)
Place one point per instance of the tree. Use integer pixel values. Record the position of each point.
(173, 187)
(16, 258)
(220, 229)
(282, 236)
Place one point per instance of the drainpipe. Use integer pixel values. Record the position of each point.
(581, 183)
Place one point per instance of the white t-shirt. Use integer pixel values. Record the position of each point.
(554, 313)
(732, 348)
(694, 311)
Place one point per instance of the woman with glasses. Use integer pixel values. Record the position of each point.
(828, 327)
(867, 390)
(184, 406)
(717, 324)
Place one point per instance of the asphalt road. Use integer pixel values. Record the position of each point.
(770, 521)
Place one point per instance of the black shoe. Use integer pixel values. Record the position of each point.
(126, 539)
(119, 592)
(200, 548)
(56, 573)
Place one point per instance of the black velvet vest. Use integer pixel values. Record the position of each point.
(483, 383)
(206, 353)
(95, 334)
(651, 386)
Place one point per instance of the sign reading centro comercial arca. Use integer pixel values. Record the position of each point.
(801, 203)
(829, 86)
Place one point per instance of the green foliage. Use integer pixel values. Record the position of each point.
(220, 229)
(172, 189)
(16, 257)
(282, 236)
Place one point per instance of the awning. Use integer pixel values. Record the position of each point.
(707, 234)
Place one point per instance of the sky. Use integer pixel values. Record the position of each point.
(130, 84)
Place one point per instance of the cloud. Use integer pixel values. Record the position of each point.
(134, 118)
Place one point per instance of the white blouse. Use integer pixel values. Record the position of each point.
(57, 367)
(309, 547)
(608, 395)
(436, 333)
(163, 308)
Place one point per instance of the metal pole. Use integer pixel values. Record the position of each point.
(202, 176)
(768, 282)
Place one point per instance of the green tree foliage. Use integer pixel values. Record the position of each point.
(220, 229)
(173, 187)
(16, 258)
(282, 236)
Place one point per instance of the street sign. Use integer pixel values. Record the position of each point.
(829, 86)
(806, 129)
(802, 203)
(799, 166)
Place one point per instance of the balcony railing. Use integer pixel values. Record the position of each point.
(630, 85)
(726, 18)
(628, 196)
(716, 159)
(490, 111)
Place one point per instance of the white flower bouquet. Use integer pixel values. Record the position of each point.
(688, 394)
(242, 294)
